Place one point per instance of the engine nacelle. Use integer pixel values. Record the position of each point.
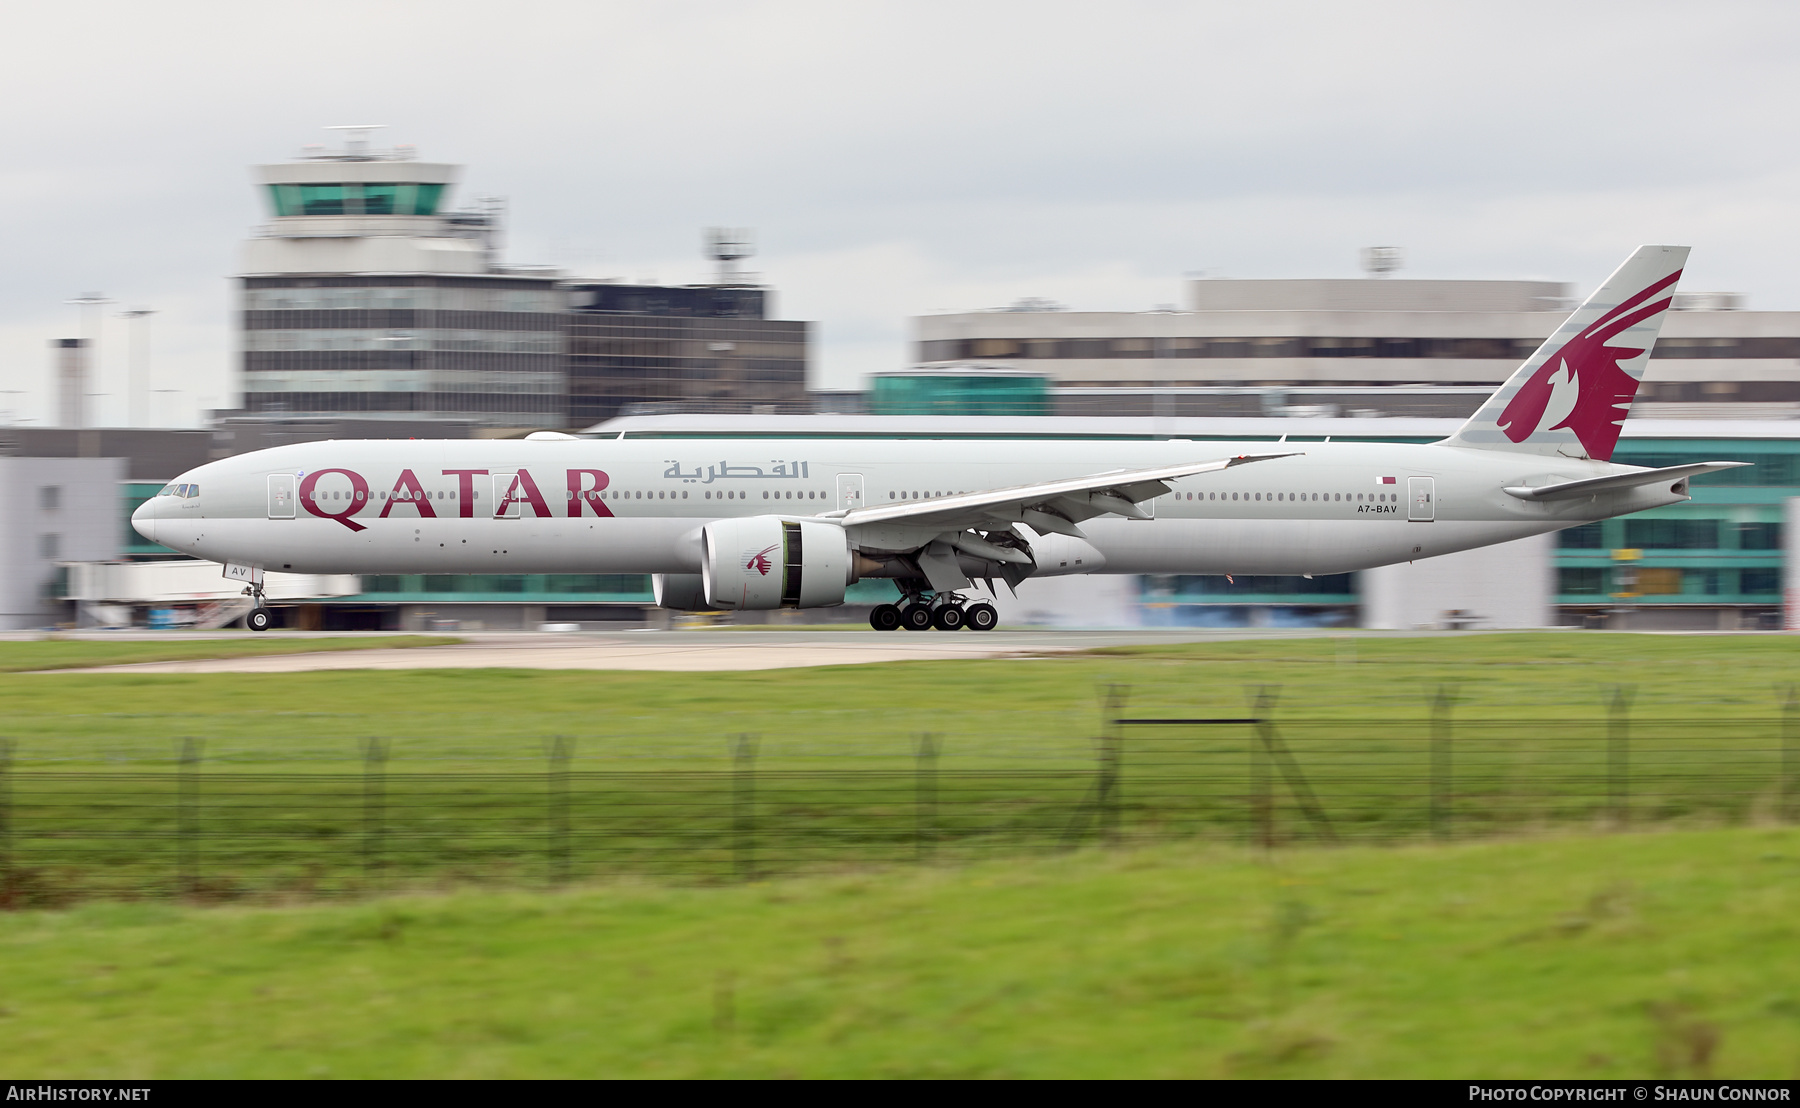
(768, 562)
(684, 592)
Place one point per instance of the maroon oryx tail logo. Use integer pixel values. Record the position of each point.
(1581, 386)
(760, 561)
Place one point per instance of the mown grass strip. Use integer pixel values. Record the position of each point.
(1604, 957)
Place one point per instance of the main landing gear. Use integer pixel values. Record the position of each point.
(945, 611)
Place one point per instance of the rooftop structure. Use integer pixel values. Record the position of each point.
(647, 348)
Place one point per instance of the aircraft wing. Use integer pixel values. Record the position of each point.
(1055, 506)
(1568, 490)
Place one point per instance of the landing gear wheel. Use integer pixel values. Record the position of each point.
(915, 617)
(948, 618)
(259, 619)
(885, 617)
(980, 617)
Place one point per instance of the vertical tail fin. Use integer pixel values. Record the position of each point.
(1570, 397)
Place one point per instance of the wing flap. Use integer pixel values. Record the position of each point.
(1098, 494)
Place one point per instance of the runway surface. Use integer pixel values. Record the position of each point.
(739, 649)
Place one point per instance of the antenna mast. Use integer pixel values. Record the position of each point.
(728, 246)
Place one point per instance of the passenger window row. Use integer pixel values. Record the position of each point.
(1370, 498)
(613, 494)
(729, 494)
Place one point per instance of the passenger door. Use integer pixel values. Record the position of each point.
(1420, 499)
(506, 484)
(849, 491)
(281, 496)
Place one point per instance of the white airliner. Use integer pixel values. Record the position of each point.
(748, 524)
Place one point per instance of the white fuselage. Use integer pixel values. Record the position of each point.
(637, 505)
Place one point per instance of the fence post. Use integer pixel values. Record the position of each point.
(1111, 739)
(374, 844)
(1618, 753)
(925, 798)
(1440, 760)
(1262, 753)
(1790, 754)
(187, 818)
(6, 823)
(743, 806)
(560, 749)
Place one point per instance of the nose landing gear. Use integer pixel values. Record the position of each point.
(260, 618)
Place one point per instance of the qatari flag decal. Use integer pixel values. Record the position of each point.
(1387, 480)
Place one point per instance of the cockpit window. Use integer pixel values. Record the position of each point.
(167, 490)
(191, 490)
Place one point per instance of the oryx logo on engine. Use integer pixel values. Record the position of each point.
(759, 561)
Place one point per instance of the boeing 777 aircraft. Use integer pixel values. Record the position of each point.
(750, 524)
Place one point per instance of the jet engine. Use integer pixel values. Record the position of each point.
(766, 562)
(683, 592)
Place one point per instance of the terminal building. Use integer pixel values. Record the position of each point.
(373, 308)
(1365, 347)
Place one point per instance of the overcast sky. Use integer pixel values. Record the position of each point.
(897, 159)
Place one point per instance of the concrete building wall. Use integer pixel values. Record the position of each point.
(385, 254)
(1510, 586)
(1377, 295)
(56, 510)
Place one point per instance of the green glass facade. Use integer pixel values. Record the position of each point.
(974, 394)
(1723, 547)
(132, 494)
(368, 198)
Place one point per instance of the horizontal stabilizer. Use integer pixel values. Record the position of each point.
(1567, 490)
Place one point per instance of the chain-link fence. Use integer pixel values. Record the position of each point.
(210, 833)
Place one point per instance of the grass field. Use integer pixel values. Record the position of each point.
(1632, 955)
(53, 653)
(994, 713)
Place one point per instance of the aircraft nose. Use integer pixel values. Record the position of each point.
(143, 521)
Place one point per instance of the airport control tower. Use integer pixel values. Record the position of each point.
(365, 294)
